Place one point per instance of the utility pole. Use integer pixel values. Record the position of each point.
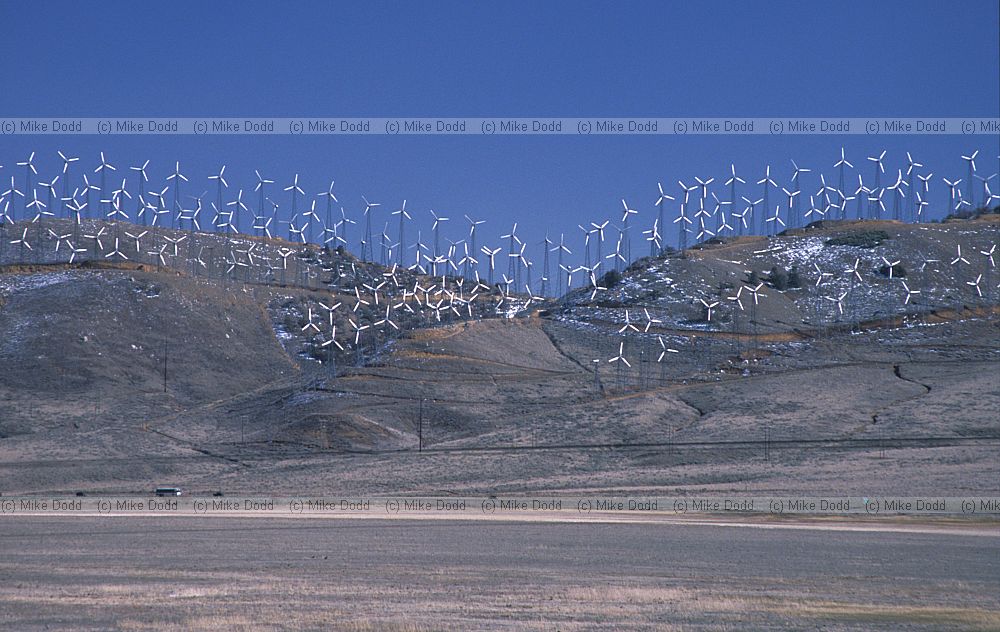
(164, 365)
(420, 427)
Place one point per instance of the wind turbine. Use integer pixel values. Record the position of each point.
(840, 183)
(512, 237)
(259, 190)
(9, 195)
(403, 216)
(140, 210)
(776, 219)
(953, 187)
(234, 215)
(731, 183)
(67, 161)
(628, 211)
(438, 220)
(220, 180)
(29, 170)
(177, 176)
(768, 183)
(794, 196)
(709, 306)
(897, 193)
(879, 170)
(472, 243)
(102, 169)
(659, 205)
(971, 159)
(314, 218)
(344, 221)
(367, 243)
(295, 190)
(682, 229)
(862, 189)
(988, 195)
(489, 253)
(910, 165)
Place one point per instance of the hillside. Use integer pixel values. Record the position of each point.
(791, 395)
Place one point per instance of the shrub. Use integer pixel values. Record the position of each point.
(639, 264)
(778, 278)
(898, 271)
(794, 280)
(860, 239)
(611, 278)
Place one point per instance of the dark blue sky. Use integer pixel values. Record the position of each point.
(501, 59)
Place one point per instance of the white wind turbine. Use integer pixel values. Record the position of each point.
(988, 195)
(512, 237)
(840, 164)
(367, 243)
(403, 216)
(330, 198)
(261, 197)
(140, 210)
(314, 219)
(879, 170)
(67, 161)
(911, 164)
(975, 284)
(29, 170)
(220, 181)
(659, 207)
(959, 258)
(731, 183)
(709, 306)
(768, 183)
(234, 215)
(177, 177)
(491, 253)
(897, 194)
(953, 188)
(794, 196)
(436, 228)
(775, 220)
(296, 191)
(473, 224)
(621, 355)
(971, 159)
(103, 169)
(628, 244)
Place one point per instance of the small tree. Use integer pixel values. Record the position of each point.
(611, 278)
(794, 280)
(778, 278)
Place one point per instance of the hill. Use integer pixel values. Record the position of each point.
(453, 396)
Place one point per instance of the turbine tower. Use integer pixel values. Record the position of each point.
(368, 230)
(659, 210)
(879, 170)
(628, 242)
(221, 182)
(102, 169)
(794, 197)
(65, 176)
(768, 183)
(911, 207)
(840, 182)
(472, 245)
(403, 216)
(259, 190)
(971, 159)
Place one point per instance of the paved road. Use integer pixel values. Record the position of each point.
(488, 574)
